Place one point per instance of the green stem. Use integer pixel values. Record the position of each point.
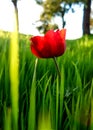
(57, 67)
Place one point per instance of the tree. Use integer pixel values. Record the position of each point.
(51, 9)
(86, 17)
(60, 7)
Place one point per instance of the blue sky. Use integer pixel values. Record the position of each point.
(29, 13)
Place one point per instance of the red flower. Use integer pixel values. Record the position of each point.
(52, 44)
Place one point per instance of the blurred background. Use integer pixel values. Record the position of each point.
(37, 16)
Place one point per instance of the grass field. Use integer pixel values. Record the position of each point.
(44, 102)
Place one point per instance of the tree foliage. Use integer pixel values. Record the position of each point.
(51, 9)
(54, 8)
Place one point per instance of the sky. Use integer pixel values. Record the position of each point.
(29, 13)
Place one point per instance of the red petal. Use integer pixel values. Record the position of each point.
(37, 45)
(50, 43)
(55, 43)
(60, 40)
(63, 34)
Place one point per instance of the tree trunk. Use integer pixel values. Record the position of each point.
(86, 17)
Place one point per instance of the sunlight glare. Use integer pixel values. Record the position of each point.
(29, 15)
(6, 15)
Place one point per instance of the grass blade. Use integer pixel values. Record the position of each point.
(14, 73)
(61, 96)
(32, 109)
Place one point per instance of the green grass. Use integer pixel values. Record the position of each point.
(44, 101)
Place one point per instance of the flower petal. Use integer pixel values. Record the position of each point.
(50, 41)
(60, 40)
(37, 45)
(63, 34)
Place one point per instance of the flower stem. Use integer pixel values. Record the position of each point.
(57, 67)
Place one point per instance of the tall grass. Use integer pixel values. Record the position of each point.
(32, 112)
(44, 103)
